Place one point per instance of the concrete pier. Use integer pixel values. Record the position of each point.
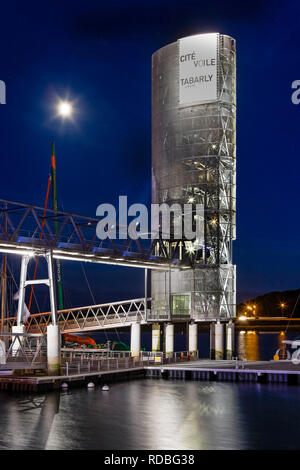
(53, 349)
(135, 339)
(272, 372)
(229, 340)
(219, 340)
(212, 341)
(169, 339)
(155, 337)
(193, 338)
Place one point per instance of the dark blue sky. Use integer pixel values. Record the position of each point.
(99, 54)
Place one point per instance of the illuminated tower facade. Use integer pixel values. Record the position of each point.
(194, 161)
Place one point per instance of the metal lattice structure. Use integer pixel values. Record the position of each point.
(30, 229)
(26, 351)
(194, 161)
(90, 318)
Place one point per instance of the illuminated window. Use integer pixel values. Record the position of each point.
(181, 304)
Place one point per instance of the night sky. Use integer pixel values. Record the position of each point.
(98, 54)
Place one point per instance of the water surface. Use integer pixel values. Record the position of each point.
(154, 414)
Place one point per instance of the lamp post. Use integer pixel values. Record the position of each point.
(282, 307)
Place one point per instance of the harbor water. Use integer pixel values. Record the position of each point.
(154, 414)
(252, 345)
(160, 414)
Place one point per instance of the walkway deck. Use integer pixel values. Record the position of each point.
(234, 371)
(47, 383)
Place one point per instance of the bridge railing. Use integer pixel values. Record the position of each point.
(92, 317)
(81, 363)
(22, 351)
(34, 228)
(160, 358)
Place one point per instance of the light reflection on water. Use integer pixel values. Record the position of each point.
(154, 414)
(254, 345)
(158, 414)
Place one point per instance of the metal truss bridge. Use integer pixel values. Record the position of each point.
(27, 229)
(90, 318)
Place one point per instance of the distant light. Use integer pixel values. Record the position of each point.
(191, 200)
(190, 249)
(243, 318)
(65, 109)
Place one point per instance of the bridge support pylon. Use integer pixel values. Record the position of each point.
(135, 340)
(169, 339)
(193, 339)
(229, 340)
(219, 340)
(212, 341)
(155, 337)
(53, 333)
(53, 349)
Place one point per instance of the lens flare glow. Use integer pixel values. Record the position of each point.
(65, 109)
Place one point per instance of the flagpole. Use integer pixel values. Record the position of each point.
(56, 227)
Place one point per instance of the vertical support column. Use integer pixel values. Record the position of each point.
(53, 331)
(20, 328)
(155, 337)
(135, 340)
(212, 341)
(53, 349)
(229, 340)
(219, 328)
(5, 338)
(2, 352)
(169, 339)
(23, 277)
(193, 339)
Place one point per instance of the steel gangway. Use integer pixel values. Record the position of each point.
(90, 318)
(31, 230)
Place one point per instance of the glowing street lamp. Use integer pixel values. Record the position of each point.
(282, 307)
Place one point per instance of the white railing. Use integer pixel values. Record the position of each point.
(92, 317)
(77, 363)
(22, 351)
